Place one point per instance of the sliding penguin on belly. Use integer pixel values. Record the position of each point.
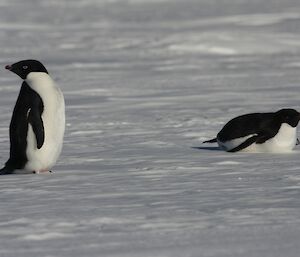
(38, 122)
(260, 132)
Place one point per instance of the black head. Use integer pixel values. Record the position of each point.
(23, 68)
(289, 116)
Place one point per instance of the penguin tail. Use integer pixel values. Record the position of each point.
(214, 140)
(6, 171)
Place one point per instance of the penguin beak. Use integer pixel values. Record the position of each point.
(8, 67)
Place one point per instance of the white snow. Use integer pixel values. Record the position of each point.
(145, 82)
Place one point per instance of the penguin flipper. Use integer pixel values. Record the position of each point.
(245, 144)
(35, 119)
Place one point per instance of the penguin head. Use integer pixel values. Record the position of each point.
(23, 68)
(289, 116)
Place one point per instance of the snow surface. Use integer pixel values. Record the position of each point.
(145, 82)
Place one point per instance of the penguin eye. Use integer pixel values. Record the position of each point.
(25, 67)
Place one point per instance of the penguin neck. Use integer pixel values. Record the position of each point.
(286, 131)
(40, 82)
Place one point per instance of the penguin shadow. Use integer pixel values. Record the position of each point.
(209, 148)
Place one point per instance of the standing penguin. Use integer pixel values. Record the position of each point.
(38, 122)
(260, 132)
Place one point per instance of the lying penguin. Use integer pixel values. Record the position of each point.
(260, 132)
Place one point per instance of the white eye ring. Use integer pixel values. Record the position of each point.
(25, 67)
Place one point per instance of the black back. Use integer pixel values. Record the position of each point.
(28, 109)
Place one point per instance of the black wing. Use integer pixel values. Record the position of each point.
(27, 100)
(259, 139)
(244, 145)
(35, 119)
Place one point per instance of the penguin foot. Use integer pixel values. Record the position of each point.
(42, 171)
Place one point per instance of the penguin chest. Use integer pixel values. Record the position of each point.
(53, 118)
(284, 141)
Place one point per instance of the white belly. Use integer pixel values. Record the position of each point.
(284, 141)
(53, 118)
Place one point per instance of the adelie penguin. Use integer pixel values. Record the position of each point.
(260, 132)
(38, 121)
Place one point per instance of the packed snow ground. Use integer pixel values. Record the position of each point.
(145, 82)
